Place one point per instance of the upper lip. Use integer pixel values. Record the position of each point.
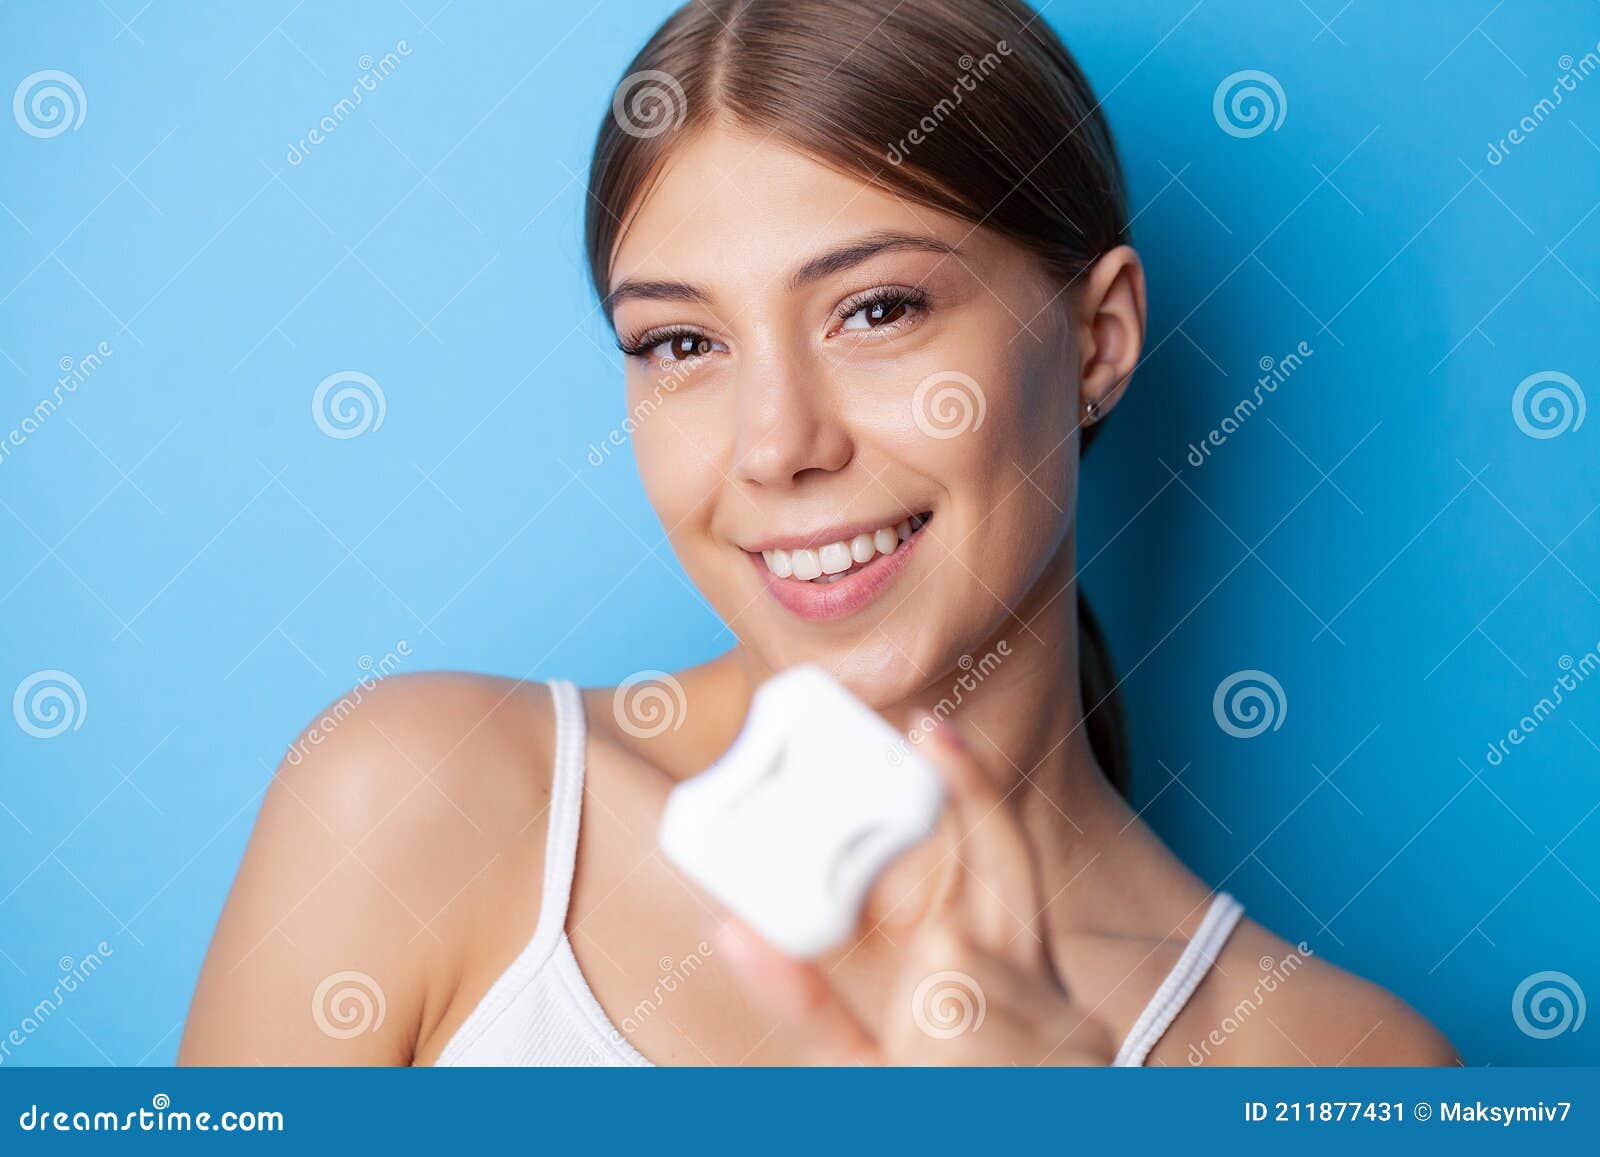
(839, 532)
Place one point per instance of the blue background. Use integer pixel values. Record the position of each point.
(1381, 536)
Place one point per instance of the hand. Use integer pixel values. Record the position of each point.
(975, 987)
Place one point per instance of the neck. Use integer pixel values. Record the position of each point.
(1018, 698)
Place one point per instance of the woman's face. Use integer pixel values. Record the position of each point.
(818, 366)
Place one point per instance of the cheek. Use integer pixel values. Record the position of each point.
(678, 443)
(1037, 402)
(1010, 478)
(981, 430)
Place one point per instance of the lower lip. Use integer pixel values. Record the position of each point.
(819, 602)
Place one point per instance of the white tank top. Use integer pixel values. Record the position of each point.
(541, 1010)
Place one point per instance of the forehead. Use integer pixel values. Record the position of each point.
(731, 202)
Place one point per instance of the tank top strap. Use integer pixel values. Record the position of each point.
(513, 1021)
(566, 809)
(1198, 956)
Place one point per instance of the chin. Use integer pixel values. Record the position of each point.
(874, 670)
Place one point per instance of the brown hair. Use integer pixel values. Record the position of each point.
(974, 107)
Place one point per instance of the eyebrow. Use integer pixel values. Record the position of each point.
(826, 264)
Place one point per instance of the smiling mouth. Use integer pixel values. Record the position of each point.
(828, 564)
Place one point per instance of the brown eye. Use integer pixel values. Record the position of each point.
(687, 345)
(885, 312)
(886, 309)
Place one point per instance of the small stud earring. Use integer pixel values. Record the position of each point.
(1090, 410)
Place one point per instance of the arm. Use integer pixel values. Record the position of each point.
(365, 880)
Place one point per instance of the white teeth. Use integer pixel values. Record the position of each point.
(834, 557)
(829, 563)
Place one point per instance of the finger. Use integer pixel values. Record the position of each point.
(956, 1003)
(798, 992)
(999, 888)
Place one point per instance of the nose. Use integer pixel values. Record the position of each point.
(789, 424)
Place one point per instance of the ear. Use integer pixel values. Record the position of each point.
(1110, 316)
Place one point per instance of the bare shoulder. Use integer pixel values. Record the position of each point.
(1269, 1002)
(392, 849)
(413, 749)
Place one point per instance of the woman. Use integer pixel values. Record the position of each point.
(870, 271)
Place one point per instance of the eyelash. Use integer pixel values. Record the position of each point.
(639, 345)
